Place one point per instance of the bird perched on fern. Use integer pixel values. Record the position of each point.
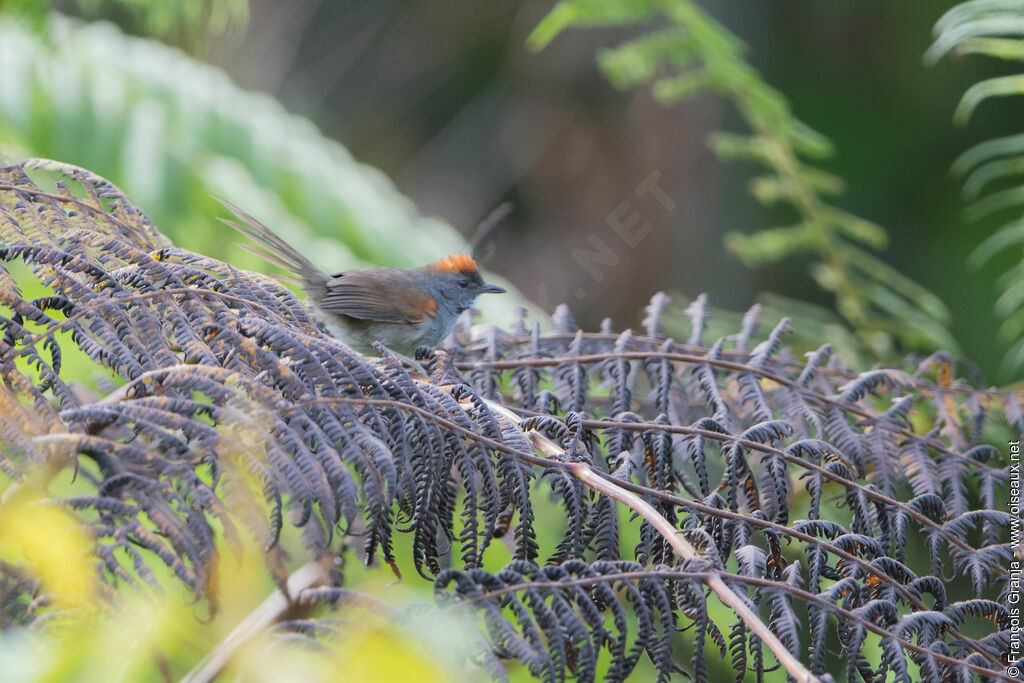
(402, 308)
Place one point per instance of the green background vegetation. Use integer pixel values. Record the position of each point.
(454, 106)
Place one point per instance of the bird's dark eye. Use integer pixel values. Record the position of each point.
(463, 284)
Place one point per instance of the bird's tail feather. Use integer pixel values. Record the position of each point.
(272, 248)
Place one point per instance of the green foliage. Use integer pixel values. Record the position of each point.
(190, 21)
(686, 53)
(993, 28)
(174, 132)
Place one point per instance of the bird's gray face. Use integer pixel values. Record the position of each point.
(460, 290)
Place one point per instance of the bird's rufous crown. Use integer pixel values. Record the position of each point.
(456, 263)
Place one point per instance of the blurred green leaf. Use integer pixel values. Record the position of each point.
(1007, 236)
(1002, 48)
(686, 53)
(984, 151)
(973, 19)
(993, 170)
(977, 93)
(771, 245)
(1012, 329)
(636, 62)
(923, 300)
(189, 20)
(670, 90)
(997, 201)
(858, 229)
(993, 28)
(593, 12)
(172, 131)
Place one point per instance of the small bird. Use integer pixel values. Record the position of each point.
(402, 308)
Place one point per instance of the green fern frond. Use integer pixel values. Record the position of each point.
(994, 28)
(685, 53)
(175, 132)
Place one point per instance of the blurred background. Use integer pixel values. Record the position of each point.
(446, 100)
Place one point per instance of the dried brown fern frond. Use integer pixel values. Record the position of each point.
(771, 485)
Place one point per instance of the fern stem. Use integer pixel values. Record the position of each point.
(738, 366)
(712, 579)
(848, 615)
(732, 359)
(535, 439)
(270, 611)
(589, 476)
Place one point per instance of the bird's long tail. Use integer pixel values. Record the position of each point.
(273, 249)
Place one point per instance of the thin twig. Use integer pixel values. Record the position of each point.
(270, 611)
(742, 356)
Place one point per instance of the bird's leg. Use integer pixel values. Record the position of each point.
(401, 358)
(413, 364)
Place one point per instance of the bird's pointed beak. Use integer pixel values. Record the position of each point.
(493, 289)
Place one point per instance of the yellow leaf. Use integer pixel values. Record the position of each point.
(49, 544)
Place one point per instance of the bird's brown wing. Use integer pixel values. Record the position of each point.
(364, 294)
